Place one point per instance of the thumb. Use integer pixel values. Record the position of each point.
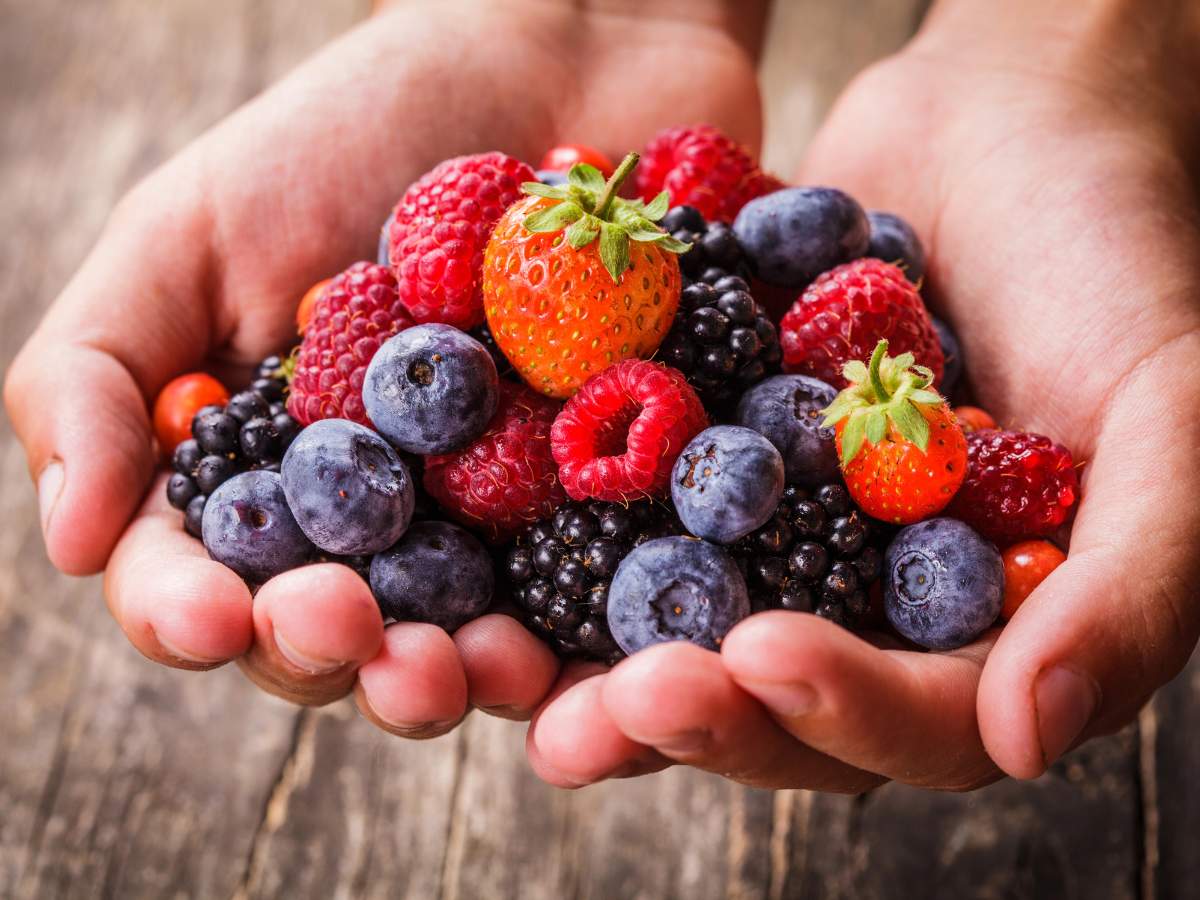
(77, 392)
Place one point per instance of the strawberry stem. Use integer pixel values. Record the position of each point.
(613, 185)
(882, 395)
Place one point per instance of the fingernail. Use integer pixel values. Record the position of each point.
(302, 662)
(183, 654)
(1066, 699)
(49, 486)
(684, 742)
(791, 700)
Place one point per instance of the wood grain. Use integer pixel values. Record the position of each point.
(122, 779)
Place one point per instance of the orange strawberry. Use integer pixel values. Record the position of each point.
(563, 305)
(903, 452)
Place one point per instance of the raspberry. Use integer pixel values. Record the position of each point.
(506, 478)
(356, 313)
(847, 311)
(439, 231)
(703, 168)
(619, 436)
(1018, 485)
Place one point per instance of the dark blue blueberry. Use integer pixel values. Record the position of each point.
(213, 471)
(676, 589)
(349, 490)
(431, 389)
(248, 526)
(246, 406)
(180, 490)
(793, 235)
(893, 240)
(551, 176)
(187, 456)
(381, 255)
(786, 410)
(216, 432)
(437, 573)
(943, 584)
(726, 483)
(193, 516)
(952, 351)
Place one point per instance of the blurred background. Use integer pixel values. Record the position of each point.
(122, 779)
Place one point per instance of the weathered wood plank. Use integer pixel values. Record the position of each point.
(1172, 819)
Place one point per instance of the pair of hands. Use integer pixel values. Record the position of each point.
(1057, 197)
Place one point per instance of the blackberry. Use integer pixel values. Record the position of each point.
(560, 569)
(722, 341)
(819, 553)
(252, 431)
(716, 251)
(504, 368)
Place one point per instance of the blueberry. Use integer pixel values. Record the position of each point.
(793, 235)
(216, 432)
(381, 254)
(248, 526)
(437, 573)
(893, 240)
(551, 177)
(686, 218)
(726, 483)
(952, 352)
(270, 389)
(786, 410)
(349, 490)
(943, 584)
(259, 439)
(286, 427)
(676, 589)
(180, 490)
(431, 389)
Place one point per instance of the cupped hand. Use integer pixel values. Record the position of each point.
(203, 264)
(1050, 167)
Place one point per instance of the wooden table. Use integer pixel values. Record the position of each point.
(122, 779)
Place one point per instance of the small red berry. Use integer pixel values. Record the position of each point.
(304, 311)
(703, 168)
(972, 418)
(351, 319)
(562, 157)
(1026, 565)
(440, 229)
(1018, 485)
(618, 437)
(842, 315)
(506, 478)
(178, 403)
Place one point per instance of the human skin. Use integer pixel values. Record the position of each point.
(202, 266)
(1047, 154)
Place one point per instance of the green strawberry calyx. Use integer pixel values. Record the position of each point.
(589, 207)
(887, 390)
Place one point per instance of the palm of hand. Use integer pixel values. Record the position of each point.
(1063, 242)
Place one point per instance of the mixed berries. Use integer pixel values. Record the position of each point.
(572, 393)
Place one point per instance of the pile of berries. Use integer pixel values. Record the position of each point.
(543, 390)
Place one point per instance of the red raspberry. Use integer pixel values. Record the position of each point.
(506, 478)
(1018, 485)
(618, 437)
(844, 313)
(701, 167)
(441, 227)
(351, 319)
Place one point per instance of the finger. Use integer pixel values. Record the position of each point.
(573, 742)
(905, 715)
(680, 700)
(508, 670)
(1119, 617)
(177, 606)
(415, 686)
(313, 628)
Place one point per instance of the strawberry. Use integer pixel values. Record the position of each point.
(563, 305)
(902, 451)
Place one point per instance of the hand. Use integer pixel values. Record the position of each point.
(1048, 157)
(203, 265)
